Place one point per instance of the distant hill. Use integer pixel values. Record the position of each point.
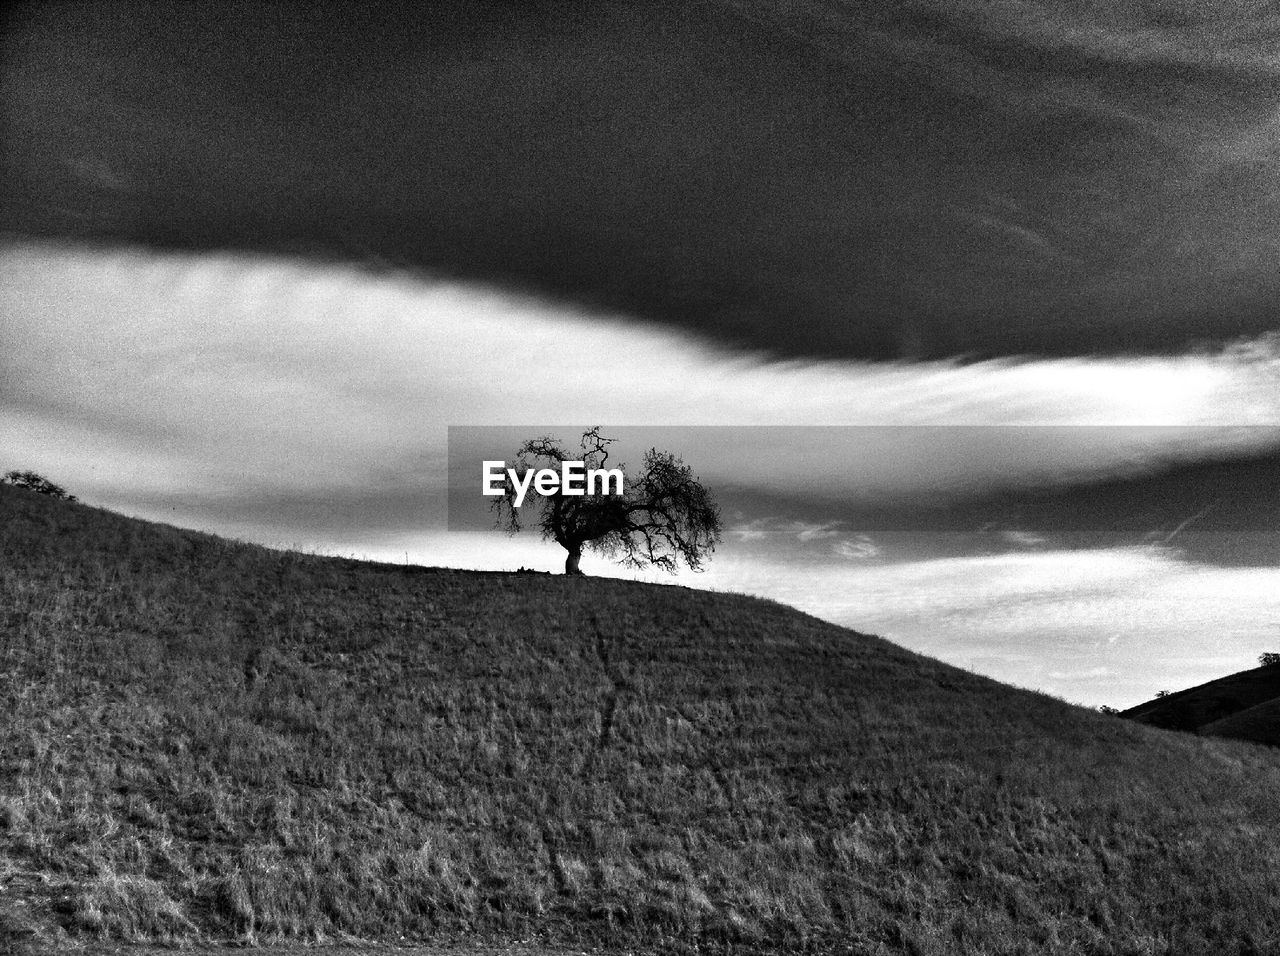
(1244, 705)
(211, 740)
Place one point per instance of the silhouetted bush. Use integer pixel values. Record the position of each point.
(37, 483)
(1269, 659)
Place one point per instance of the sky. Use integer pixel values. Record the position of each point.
(965, 312)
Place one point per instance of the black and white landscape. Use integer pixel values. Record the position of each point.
(966, 313)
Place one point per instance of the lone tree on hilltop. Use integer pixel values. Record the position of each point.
(662, 516)
(37, 483)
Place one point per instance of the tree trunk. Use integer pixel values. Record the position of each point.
(571, 562)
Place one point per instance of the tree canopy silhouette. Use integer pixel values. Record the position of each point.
(664, 515)
(37, 483)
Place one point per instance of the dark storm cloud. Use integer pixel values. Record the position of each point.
(846, 180)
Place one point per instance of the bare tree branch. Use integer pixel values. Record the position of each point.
(665, 516)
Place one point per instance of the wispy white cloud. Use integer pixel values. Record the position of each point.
(803, 531)
(1023, 539)
(858, 548)
(834, 537)
(232, 366)
(224, 376)
(816, 532)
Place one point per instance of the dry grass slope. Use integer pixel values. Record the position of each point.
(210, 739)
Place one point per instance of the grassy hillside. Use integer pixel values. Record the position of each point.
(211, 739)
(1245, 705)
